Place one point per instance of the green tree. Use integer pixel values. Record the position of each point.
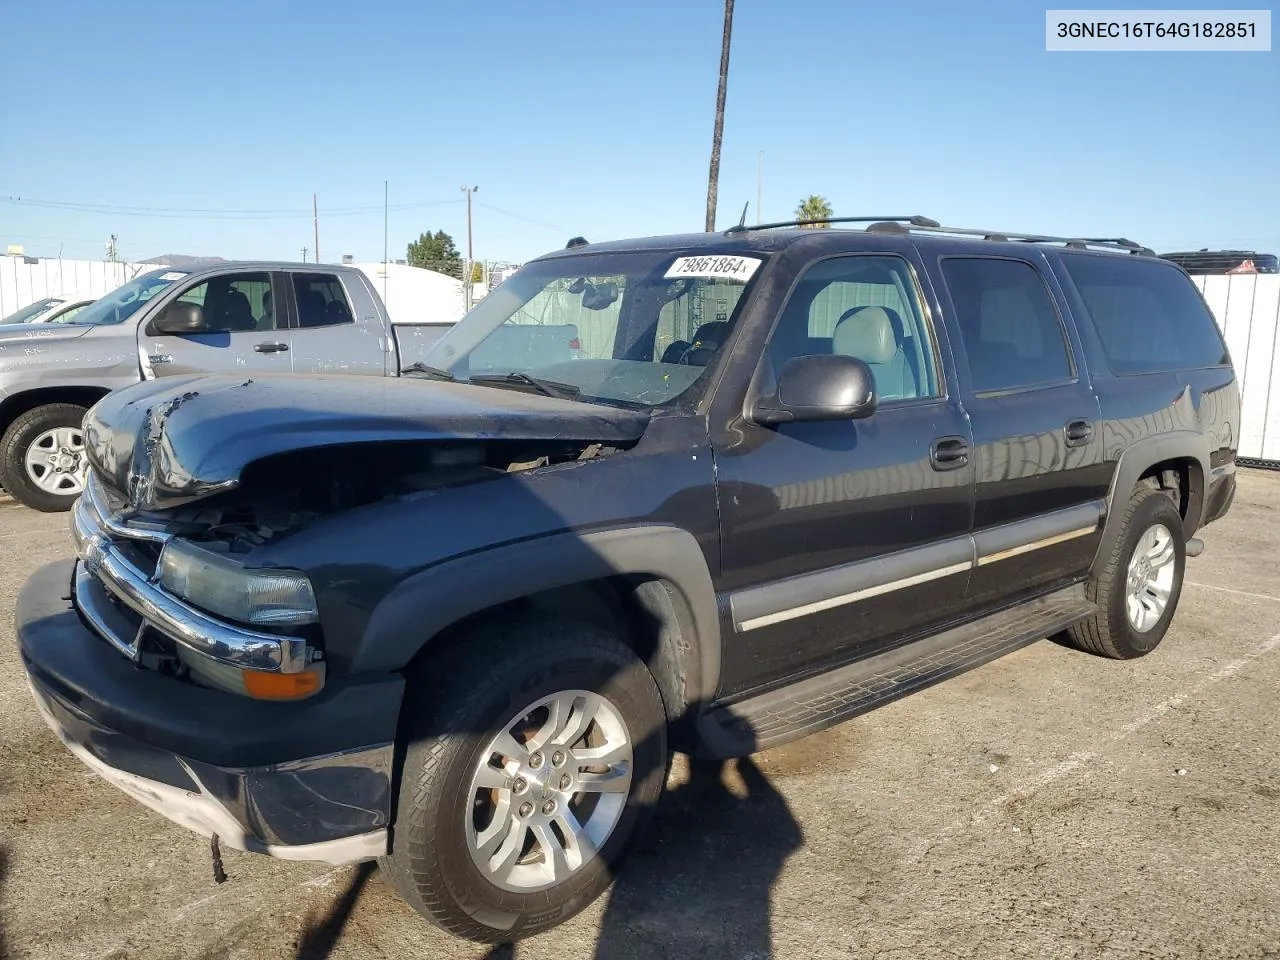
(814, 207)
(435, 251)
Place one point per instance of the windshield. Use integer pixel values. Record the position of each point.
(122, 302)
(32, 312)
(636, 329)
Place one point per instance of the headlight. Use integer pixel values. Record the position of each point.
(224, 587)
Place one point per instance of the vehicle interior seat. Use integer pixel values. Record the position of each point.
(874, 336)
(311, 311)
(707, 339)
(236, 313)
(335, 311)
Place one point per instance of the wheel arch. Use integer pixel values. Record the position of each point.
(15, 405)
(650, 581)
(1184, 453)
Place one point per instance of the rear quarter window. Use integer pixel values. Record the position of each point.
(1149, 316)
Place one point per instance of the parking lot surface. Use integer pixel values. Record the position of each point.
(1051, 804)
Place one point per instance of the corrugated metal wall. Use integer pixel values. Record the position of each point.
(1247, 308)
(25, 280)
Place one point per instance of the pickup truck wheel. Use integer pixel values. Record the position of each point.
(42, 457)
(1138, 589)
(534, 754)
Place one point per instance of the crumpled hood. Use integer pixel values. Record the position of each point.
(166, 442)
(27, 334)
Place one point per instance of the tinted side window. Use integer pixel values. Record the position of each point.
(1148, 316)
(1009, 325)
(864, 307)
(233, 303)
(321, 300)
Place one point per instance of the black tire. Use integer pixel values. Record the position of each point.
(1109, 633)
(13, 449)
(454, 707)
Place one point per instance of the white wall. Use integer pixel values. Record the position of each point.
(23, 282)
(1247, 308)
(415, 295)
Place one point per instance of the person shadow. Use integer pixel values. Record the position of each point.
(698, 884)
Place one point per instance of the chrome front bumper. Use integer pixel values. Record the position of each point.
(98, 535)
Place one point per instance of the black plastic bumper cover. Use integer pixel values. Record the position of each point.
(289, 774)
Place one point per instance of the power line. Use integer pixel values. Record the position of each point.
(530, 220)
(204, 213)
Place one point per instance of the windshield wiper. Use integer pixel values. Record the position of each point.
(522, 381)
(431, 373)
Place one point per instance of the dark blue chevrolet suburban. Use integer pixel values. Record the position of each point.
(704, 493)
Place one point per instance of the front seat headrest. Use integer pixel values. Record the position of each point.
(866, 333)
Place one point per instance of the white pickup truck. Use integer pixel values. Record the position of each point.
(252, 318)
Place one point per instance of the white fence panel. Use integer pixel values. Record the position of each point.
(1247, 308)
(25, 280)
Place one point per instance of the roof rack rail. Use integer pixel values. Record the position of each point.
(908, 225)
(915, 221)
(1072, 243)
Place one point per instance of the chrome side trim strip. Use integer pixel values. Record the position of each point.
(798, 596)
(854, 596)
(1037, 545)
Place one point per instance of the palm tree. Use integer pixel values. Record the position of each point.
(814, 207)
(714, 179)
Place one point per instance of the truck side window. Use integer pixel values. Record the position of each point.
(1011, 331)
(1149, 316)
(233, 303)
(321, 300)
(865, 307)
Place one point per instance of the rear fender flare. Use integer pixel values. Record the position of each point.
(425, 604)
(1134, 462)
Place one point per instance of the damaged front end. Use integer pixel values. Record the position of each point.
(190, 479)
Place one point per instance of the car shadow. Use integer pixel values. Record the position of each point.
(699, 882)
(318, 939)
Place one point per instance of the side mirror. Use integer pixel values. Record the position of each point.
(821, 387)
(179, 318)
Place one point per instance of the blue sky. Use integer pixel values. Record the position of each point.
(207, 132)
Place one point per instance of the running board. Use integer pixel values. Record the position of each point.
(815, 703)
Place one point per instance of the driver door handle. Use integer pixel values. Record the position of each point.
(271, 347)
(949, 453)
(1078, 432)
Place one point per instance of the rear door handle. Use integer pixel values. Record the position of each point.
(948, 453)
(1078, 432)
(270, 347)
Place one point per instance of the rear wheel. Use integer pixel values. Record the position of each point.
(1138, 589)
(42, 457)
(535, 752)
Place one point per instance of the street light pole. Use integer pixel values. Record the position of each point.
(466, 280)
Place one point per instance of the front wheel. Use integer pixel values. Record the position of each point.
(42, 457)
(535, 752)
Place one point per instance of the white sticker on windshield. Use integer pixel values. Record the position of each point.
(172, 275)
(720, 267)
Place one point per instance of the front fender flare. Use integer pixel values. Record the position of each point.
(426, 603)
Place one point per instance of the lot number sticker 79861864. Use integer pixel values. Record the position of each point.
(719, 267)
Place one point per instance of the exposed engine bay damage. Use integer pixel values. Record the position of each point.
(180, 441)
(284, 492)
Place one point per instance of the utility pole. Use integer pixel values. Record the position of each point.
(113, 252)
(713, 181)
(385, 195)
(304, 254)
(466, 279)
(315, 223)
